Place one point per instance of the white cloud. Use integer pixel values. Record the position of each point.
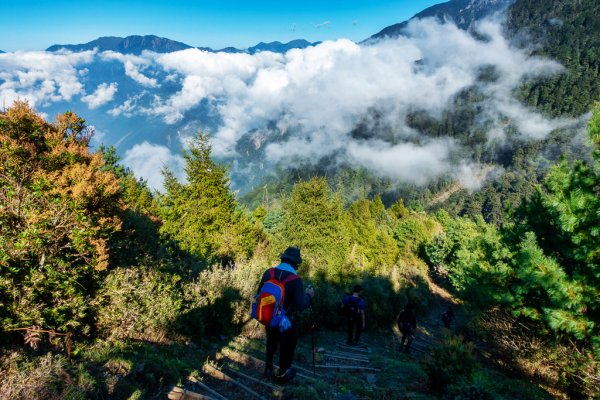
(128, 108)
(133, 64)
(306, 103)
(206, 76)
(104, 93)
(146, 160)
(406, 162)
(132, 71)
(41, 77)
(317, 96)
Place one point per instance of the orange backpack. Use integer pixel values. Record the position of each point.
(267, 307)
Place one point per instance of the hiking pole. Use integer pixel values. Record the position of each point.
(312, 331)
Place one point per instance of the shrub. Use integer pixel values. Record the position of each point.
(138, 303)
(218, 301)
(449, 362)
(474, 387)
(43, 377)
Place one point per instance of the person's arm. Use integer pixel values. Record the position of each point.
(264, 278)
(302, 298)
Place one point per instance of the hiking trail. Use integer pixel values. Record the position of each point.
(375, 369)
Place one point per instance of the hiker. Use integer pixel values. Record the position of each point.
(447, 317)
(295, 299)
(354, 310)
(407, 323)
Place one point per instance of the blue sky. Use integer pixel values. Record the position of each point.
(36, 25)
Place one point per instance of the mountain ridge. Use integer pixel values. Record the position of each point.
(464, 13)
(135, 44)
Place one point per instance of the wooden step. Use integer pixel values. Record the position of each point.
(357, 349)
(262, 382)
(345, 358)
(206, 388)
(236, 355)
(218, 374)
(178, 393)
(346, 354)
(348, 368)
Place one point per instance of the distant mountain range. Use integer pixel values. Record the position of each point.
(136, 44)
(464, 13)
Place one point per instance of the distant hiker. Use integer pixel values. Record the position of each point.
(447, 317)
(295, 298)
(407, 323)
(354, 309)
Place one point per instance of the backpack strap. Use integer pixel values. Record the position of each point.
(290, 278)
(272, 273)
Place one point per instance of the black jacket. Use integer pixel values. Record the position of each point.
(407, 317)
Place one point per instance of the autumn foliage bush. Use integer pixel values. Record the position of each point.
(58, 208)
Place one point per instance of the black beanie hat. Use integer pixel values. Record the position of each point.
(291, 254)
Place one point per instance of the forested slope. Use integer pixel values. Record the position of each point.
(568, 31)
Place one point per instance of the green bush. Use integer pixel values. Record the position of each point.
(138, 303)
(218, 301)
(474, 387)
(22, 377)
(449, 362)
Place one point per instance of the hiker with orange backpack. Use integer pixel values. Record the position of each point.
(280, 295)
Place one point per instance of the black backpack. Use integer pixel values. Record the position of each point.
(351, 307)
(447, 317)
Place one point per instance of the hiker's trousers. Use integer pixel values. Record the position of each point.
(287, 345)
(354, 326)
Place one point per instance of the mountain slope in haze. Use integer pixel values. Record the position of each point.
(464, 13)
(128, 45)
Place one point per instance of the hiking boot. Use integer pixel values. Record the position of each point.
(287, 376)
(269, 374)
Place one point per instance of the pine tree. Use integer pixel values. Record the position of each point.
(202, 215)
(314, 219)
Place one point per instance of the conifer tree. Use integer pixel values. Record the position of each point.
(314, 219)
(202, 215)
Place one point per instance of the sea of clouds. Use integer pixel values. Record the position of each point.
(303, 104)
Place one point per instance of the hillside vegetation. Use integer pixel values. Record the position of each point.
(142, 283)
